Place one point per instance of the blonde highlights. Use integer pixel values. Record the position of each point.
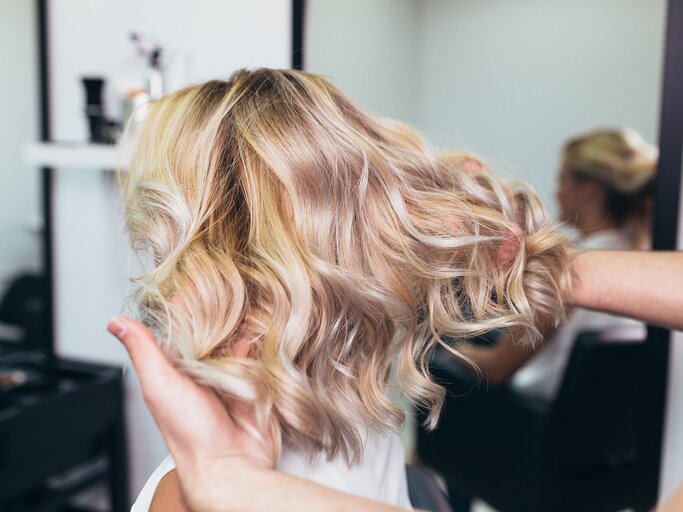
(303, 247)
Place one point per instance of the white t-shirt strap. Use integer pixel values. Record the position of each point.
(144, 500)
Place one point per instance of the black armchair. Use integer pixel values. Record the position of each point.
(579, 451)
(425, 492)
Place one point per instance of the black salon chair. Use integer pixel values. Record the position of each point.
(425, 492)
(579, 452)
(25, 305)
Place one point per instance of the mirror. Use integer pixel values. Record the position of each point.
(24, 292)
(513, 82)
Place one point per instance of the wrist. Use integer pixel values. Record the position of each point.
(581, 264)
(225, 484)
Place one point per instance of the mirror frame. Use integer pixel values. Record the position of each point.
(665, 238)
(43, 101)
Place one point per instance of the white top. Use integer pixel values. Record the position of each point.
(380, 475)
(543, 373)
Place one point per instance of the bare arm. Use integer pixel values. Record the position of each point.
(645, 285)
(246, 488)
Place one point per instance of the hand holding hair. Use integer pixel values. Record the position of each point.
(204, 440)
(221, 467)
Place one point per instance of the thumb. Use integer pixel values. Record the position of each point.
(150, 364)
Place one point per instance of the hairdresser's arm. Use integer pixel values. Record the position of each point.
(645, 285)
(220, 468)
(236, 486)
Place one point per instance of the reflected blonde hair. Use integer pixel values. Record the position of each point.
(619, 158)
(334, 243)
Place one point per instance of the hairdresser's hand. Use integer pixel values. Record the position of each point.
(220, 467)
(204, 441)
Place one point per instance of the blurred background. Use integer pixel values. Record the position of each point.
(509, 80)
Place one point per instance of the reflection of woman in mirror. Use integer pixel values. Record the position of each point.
(605, 188)
(303, 248)
(604, 191)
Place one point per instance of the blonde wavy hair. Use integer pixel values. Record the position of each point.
(331, 242)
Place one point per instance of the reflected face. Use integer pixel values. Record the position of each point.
(568, 195)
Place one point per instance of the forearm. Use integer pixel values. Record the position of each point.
(644, 285)
(248, 488)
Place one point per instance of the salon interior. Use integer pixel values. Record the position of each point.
(512, 80)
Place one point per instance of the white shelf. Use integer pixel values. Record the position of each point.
(96, 157)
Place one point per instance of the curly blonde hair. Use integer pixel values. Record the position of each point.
(334, 244)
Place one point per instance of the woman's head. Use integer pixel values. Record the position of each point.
(606, 178)
(326, 244)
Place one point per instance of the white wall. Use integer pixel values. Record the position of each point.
(207, 39)
(19, 184)
(368, 49)
(511, 80)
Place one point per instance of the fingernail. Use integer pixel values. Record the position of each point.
(116, 327)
